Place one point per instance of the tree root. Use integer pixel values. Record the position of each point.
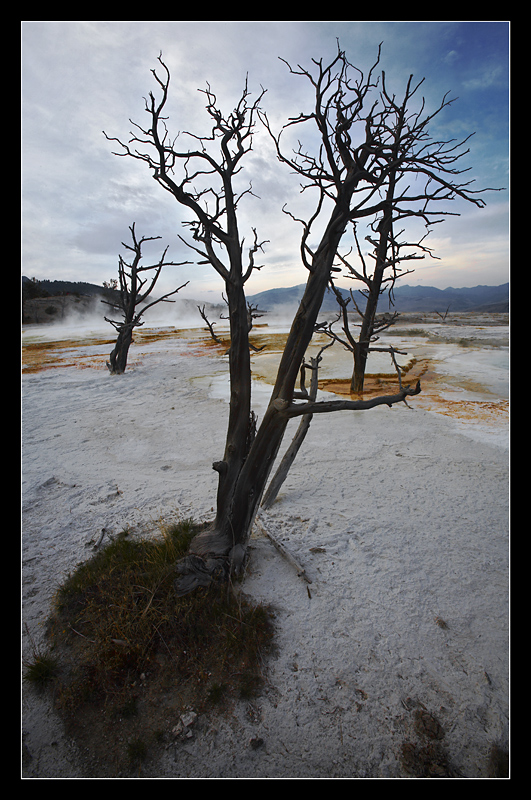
(208, 561)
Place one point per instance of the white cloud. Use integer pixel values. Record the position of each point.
(490, 76)
(451, 57)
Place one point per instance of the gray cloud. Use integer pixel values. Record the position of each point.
(81, 78)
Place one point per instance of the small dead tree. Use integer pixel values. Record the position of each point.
(253, 312)
(387, 255)
(349, 179)
(210, 325)
(133, 292)
(348, 340)
(444, 314)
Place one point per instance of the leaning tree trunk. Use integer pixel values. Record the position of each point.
(118, 357)
(221, 548)
(291, 453)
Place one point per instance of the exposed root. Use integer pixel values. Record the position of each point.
(210, 560)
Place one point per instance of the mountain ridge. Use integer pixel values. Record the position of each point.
(405, 298)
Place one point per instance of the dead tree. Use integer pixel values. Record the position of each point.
(210, 325)
(444, 315)
(418, 174)
(203, 177)
(348, 340)
(253, 312)
(133, 291)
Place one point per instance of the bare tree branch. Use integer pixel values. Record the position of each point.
(209, 324)
(326, 406)
(300, 435)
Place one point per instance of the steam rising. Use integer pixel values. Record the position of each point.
(76, 319)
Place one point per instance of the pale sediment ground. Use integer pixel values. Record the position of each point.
(395, 658)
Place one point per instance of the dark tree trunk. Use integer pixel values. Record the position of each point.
(375, 289)
(131, 297)
(221, 548)
(360, 365)
(240, 424)
(118, 358)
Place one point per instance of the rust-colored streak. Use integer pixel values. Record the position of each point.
(436, 395)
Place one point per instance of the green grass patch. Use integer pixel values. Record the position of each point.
(125, 649)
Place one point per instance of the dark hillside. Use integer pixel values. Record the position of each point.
(406, 298)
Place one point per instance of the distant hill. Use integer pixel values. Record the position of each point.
(411, 299)
(54, 288)
(51, 301)
(406, 299)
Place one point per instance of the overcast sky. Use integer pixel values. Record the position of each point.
(81, 78)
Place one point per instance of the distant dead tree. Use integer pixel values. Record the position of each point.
(253, 312)
(444, 314)
(349, 175)
(132, 293)
(348, 340)
(210, 325)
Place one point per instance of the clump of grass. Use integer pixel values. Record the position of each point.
(40, 670)
(117, 618)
